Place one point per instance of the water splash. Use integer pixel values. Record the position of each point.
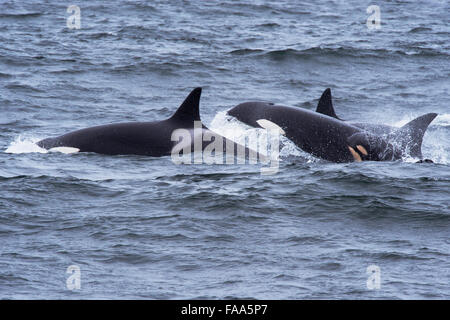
(435, 142)
(237, 131)
(25, 145)
(28, 145)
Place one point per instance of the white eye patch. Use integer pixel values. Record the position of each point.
(66, 150)
(269, 125)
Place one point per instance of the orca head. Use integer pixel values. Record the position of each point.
(364, 146)
(247, 112)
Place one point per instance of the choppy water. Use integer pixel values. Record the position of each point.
(146, 228)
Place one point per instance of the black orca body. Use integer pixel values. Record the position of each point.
(142, 138)
(332, 139)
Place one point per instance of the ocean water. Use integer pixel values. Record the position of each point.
(145, 228)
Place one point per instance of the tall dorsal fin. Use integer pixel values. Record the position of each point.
(410, 136)
(189, 110)
(325, 105)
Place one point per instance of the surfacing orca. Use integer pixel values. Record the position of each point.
(328, 137)
(148, 138)
(325, 106)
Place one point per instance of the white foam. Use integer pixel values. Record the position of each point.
(25, 145)
(435, 145)
(442, 120)
(28, 145)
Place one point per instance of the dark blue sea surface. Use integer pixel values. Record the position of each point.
(146, 228)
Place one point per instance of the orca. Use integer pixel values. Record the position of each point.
(325, 106)
(147, 138)
(327, 137)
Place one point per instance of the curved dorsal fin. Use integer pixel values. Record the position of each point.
(189, 109)
(411, 134)
(325, 105)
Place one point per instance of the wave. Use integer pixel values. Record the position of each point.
(338, 51)
(22, 87)
(20, 15)
(5, 75)
(419, 29)
(246, 51)
(100, 35)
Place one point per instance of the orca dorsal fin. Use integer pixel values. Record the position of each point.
(325, 105)
(189, 110)
(410, 136)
